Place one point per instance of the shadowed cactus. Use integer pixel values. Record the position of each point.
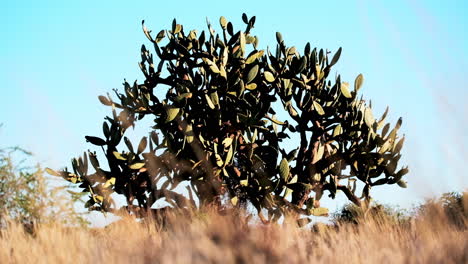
(222, 125)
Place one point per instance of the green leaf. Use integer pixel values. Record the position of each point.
(401, 173)
(279, 37)
(398, 124)
(234, 200)
(345, 89)
(214, 98)
(106, 129)
(192, 35)
(219, 160)
(310, 203)
(146, 31)
(318, 154)
(369, 118)
(227, 142)
(251, 86)
(321, 211)
(154, 137)
(230, 29)
(307, 48)
(109, 182)
(142, 145)
(291, 51)
(317, 177)
(254, 136)
(252, 74)
(224, 58)
(104, 100)
(284, 169)
(385, 129)
(242, 43)
(292, 111)
(385, 146)
(223, 22)
(402, 184)
(252, 21)
(189, 133)
(52, 172)
(244, 18)
(73, 179)
(212, 65)
(118, 155)
(269, 76)
(160, 36)
(210, 103)
(293, 180)
(98, 198)
(338, 130)
(89, 203)
(254, 57)
(318, 71)
(273, 119)
(381, 121)
(137, 166)
(399, 145)
(171, 113)
(303, 65)
(229, 156)
(95, 141)
(255, 43)
(358, 82)
(183, 96)
(318, 108)
(177, 29)
(128, 144)
(222, 72)
(336, 57)
(292, 155)
(244, 182)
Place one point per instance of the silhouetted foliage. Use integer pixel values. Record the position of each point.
(222, 125)
(350, 213)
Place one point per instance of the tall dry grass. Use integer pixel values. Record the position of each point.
(207, 237)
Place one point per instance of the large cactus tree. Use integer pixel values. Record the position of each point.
(221, 126)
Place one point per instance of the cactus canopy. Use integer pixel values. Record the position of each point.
(220, 131)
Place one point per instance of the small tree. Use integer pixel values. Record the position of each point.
(221, 127)
(453, 204)
(27, 197)
(350, 213)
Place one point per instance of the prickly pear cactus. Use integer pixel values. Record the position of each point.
(221, 126)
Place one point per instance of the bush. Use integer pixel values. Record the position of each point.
(350, 213)
(453, 205)
(27, 197)
(450, 207)
(222, 125)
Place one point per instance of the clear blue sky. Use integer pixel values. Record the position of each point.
(56, 57)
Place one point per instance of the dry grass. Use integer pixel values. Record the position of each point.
(211, 238)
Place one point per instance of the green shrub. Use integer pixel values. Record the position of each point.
(454, 205)
(350, 213)
(26, 195)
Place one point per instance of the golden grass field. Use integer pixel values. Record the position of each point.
(207, 237)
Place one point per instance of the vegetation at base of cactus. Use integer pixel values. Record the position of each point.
(222, 125)
(350, 213)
